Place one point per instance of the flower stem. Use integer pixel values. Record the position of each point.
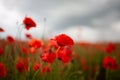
(43, 34)
(107, 73)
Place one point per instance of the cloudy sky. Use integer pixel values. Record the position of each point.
(88, 20)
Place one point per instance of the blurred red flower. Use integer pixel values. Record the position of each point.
(110, 48)
(65, 54)
(1, 30)
(52, 43)
(109, 63)
(32, 50)
(64, 40)
(35, 43)
(36, 66)
(22, 65)
(83, 62)
(24, 50)
(28, 36)
(2, 70)
(28, 22)
(45, 69)
(10, 39)
(76, 56)
(1, 51)
(84, 44)
(48, 57)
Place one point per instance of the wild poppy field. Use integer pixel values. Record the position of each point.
(59, 58)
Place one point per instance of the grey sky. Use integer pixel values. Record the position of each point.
(90, 20)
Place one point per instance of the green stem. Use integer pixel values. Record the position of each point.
(18, 31)
(107, 73)
(57, 50)
(96, 74)
(35, 75)
(43, 34)
(76, 75)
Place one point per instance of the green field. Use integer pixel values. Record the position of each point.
(84, 61)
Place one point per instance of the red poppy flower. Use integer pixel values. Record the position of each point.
(52, 43)
(22, 65)
(24, 50)
(36, 66)
(109, 63)
(28, 22)
(48, 57)
(32, 50)
(45, 69)
(35, 43)
(1, 51)
(2, 70)
(1, 30)
(64, 40)
(28, 36)
(65, 54)
(10, 39)
(83, 62)
(110, 47)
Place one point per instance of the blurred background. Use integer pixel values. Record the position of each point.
(83, 20)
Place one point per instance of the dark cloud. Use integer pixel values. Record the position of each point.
(34, 6)
(65, 14)
(96, 10)
(106, 15)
